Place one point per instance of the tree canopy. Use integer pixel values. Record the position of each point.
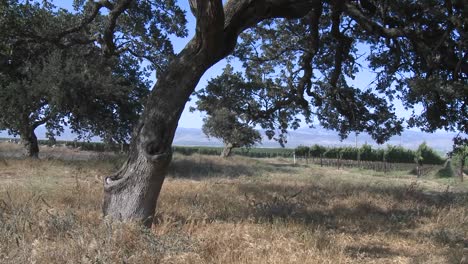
(45, 83)
(417, 52)
(225, 125)
(305, 58)
(304, 66)
(460, 154)
(226, 100)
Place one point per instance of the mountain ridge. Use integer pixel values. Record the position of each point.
(440, 140)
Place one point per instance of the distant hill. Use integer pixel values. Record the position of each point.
(441, 141)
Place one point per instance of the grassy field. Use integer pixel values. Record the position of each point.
(238, 210)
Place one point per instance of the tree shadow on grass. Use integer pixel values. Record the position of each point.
(312, 206)
(357, 211)
(398, 211)
(417, 195)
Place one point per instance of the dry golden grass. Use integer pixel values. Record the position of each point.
(232, 211)
(12, 150)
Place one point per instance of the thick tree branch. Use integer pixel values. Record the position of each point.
(424, 49)
(339, 48)
(41, 121)
(96, 6)
(216, 37)
(243, 14)
(372, 26)
(108, 36)
(305, 83)
(210, 22)
(237, 16)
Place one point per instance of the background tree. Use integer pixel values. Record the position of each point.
(460, 154)
(226, 100)
(423, 40)
(426, 155)
(225, 125)
(419, 159)
(46, 84)
(234, 106)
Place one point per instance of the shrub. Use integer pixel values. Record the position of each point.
(428, 155)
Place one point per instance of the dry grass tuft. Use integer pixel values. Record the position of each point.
(232, 211)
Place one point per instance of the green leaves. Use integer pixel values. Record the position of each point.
(225, 125)
(424, 154)
(230, 104)
(47, 83)
(418, 53)
(251, 102)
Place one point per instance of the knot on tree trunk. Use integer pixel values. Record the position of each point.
(154, 154)
(131, 193)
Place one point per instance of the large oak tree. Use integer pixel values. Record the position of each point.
(418, 49)
(403, 37)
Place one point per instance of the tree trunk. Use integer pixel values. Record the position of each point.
(132, 193)
(227, 150)
(30, 144)
(462, 167)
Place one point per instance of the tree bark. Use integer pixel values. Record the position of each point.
(462, 167)
(30, 144)
(227, 150)
(132, 193)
